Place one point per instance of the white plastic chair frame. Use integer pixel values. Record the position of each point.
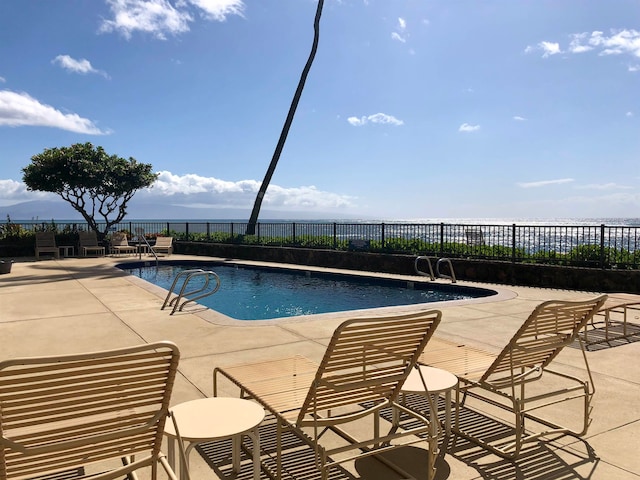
(503, 380)
(102, 409)
(362, 372)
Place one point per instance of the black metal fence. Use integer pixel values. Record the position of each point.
(603, 246)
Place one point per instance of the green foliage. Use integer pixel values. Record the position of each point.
(12, 231)
(612, 257)
(93, 182)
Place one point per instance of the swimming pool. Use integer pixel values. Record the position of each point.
(261, 293)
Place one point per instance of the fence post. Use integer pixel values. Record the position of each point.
(513, 243)
(293, 232)
(335, 236)
(382, 236)
(208, 232)
(602, 246)
(441, 238)
(186, 231)
(233, 240)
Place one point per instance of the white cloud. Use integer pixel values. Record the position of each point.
(634, 68)
(399, 34)
(307, 197)
(466, 127)
(381, 118)
(398, 37)
(160, 17)
(20, 109)
(12, 192)
(549, 48)
(2, 80)
(81, 66)
(544, 183)
(518, 118)
(629, 114)
(576, 45)
(204, 192)
(157, 17)
(219, 9)
(170, 184)
(618, 42)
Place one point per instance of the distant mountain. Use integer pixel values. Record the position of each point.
(45, 211)
(39, 210)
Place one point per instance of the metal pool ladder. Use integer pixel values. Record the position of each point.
(140, 235)
(431, 275)
(201, 292)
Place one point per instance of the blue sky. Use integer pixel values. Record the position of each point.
(412, 109)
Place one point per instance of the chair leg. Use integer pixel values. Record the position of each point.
(278, 449)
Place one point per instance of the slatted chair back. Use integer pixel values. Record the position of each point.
(475, 236)
(46, 243)
(551, 326)
(45, 240)
(66, 412)
(88, 239)
(119, 239)
(164, 242)
(366, 364)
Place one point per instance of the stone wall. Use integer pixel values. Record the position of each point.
(506, 273)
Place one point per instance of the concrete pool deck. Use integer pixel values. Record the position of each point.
(80, 304)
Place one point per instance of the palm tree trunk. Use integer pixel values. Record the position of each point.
(253, 219)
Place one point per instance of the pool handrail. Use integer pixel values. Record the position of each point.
(191, 273)
(437, 274)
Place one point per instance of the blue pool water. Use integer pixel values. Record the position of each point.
(258, 293)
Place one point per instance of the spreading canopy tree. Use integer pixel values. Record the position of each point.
(96, 184)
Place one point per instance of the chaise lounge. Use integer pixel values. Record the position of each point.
(518, 380)
(89, 244)
(163, 245)
(616, 322)
(46, 243)
(99, 414)
(120, 244)
(362, 372)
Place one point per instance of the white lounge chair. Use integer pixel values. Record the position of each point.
(362, 372)
(519, 380)
(100, 413)
(89, 244)
(163, 245)
(120, 244)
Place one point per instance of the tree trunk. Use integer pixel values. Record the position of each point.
(251, 226)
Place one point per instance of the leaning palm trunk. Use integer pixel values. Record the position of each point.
(251, 226)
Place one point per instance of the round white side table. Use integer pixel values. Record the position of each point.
(217, 418)
(437, 381)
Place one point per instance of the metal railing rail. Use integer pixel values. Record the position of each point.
(140, 234)
(423, 258)
(438, 274)
(602, 246)
(201, 291)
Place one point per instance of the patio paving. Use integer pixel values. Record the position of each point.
(79, 304)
